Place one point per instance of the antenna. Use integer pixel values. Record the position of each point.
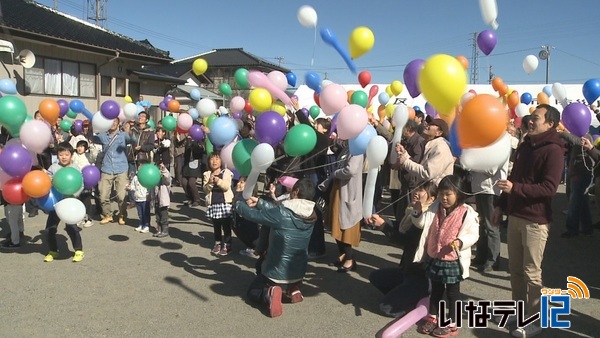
(97, 12)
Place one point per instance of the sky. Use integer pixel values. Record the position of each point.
(403, 30)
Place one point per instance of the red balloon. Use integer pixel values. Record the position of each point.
(248, 107)
(181, 131)
(13, 192)
(364, 78)
(316, 98)
(372, 92)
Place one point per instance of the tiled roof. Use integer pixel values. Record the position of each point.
(230, 57)
(30, 20)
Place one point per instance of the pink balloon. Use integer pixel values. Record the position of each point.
(259, 79)
(278, 79)
(4, 177)
(122, 117)
(226, 155)
(185, 121)
(35, 136)
(400, 325)
(237, 104)
(372, 92)
(333, 98)
(351, 121)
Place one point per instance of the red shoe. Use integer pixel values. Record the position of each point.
(428, 326)
(274, 301)
(294, 295)
(445, 332)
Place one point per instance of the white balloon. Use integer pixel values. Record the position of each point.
(376, 153)
(206, 107)
(101, 123)
(278, 79)
(70, 210)
(262, 157)
(530, 64)
(400, 118)
(307, 16)
(130, 110)
(489, 12)
(226, 155)
(560, 93)
(185, 121)
(325, 83)
(486, 158)
(466, 97)
(522, 110)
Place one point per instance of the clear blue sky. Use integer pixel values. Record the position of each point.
(404, 30)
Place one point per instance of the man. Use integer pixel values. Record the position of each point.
(143, 135)
(437, 161)
(527, 200)
(142, 103)
(420, 119)
(414, 144)
(290, 225)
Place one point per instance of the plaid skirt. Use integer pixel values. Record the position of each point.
(448, 272)
(219, 210)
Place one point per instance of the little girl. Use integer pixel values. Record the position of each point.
(455, 228)
(217, 186)
(142, 201)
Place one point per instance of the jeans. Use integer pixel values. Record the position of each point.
(579, 205)
(51, 229)
(488, 245)
(120, 181)
(143, 209)
(14, 217)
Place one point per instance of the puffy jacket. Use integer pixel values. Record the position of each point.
(291, 224)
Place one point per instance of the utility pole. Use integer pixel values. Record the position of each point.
(491, 75)
(55, 5)
(545, 55)
(280, 59)
(475, 61)
(97, 11)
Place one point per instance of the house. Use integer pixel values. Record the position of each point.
(78, 60)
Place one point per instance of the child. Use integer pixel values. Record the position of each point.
(14, 217)
(80, 160)
(162, 200)
(65, 155)
(217, 186)
(142, 201)
(455, 228)
(162, 146)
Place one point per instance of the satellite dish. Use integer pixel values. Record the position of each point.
(26, 58)
(543, 54)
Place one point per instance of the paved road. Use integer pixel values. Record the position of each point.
(130, 284)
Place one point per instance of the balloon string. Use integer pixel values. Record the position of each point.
(306, 169)
(312, 61)
(583, 155)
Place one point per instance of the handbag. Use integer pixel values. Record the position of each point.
(100, 156)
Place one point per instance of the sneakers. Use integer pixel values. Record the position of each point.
(161, 234)
(145, 230)
(428, 325)
(225, 250)
(138, 229)
(9, 245)
(87, 224)
(248, 252)
(294, 295)
(121, 220)
(274, 301)
(106, 219)
(216, 249)
(527, 331)
(51, 256)
(443, 332)
(78, 257)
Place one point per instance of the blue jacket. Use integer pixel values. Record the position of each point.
(115, 160)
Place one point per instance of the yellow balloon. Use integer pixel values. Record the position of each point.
(279, 107)
(260, 99)
(389, 110)
(199, 66)
(388, 91)
(443, 81)
(396, 87)
(369, 109)
(128, 99)
(361, 41)
(205, 120)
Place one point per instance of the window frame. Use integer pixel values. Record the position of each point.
(42, 67)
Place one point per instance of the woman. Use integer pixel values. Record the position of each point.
(192, 169)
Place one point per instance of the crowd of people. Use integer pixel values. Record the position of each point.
(442, 213)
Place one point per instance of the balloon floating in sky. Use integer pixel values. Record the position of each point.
(364, 78)
(489, 12)
(443, 82)
(329, 38)
(486, 41)
(411, 75)
(361, 41)
(591, 90)
(530, 64)
(199, 66)
(307, 16)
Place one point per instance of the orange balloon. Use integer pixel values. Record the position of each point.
(411, 113)
(497, 83)
(503, 90)
(350, 92)
(482, 121)
(174, 106)
(381, 112)
(49, 109)
(36, 184)
(463, 61)
(531, 110)
(513, 99)
(542, 98)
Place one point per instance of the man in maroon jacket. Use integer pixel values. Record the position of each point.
(527, 200)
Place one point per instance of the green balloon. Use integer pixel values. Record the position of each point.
(314, 111)
(71, 114)
(241, 78)
(149, 175)
(360, 98)
(169, 123)
(300, 140)
(242, 151)
(28, 118)
(225, 89)
(65, 125)
(211, 119)
(152, 124)
(209, 146)
(13, 113)
(67, 180)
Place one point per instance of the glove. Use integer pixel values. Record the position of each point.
(166, 143)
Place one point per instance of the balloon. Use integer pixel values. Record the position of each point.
(314, 111)
(15, 160)
(241, 155)
(260, 99)
(162, 105)
(490, 157)
(184, 121)
(389, 110)
(13, 193)
(526, 98)
(376, 153)
(7, 86)
(47, 202)
(547, 90)
(361, 41)
(241, 78)
(486, 41)
(130, 111)
(466, 97)
(542, 98)
(88, 114)
(91, 176)
(196, 133)
(383, 98)
(110, 109)
(316, 99)
(400, 118)
(128, 99)
(70, 210)
(411, 76)
(195, 94)
(489, 12)
(261, 158)
(36, 184)
(64, 107)
(591, 90)
(270, 128)
(194, 113)
(330, 39)
(173, 106)
(560, 93)
(352, 119)
(100, 123)
(364, 78)
(222, 131)
(226, 155)
(497, 83)
(313, 81)
(521, 110)
(65, 125)
(210, 120)
(237, 104)
(206, 107)
(225, 89)
(278, 79)
(67, 180)
(396, 87)
(36, 135)
(443, 82)
(50, 110)
(576, 117)
(463, 61)
(325, 83)
(333, 99)
(258, 79)
(77, 106)
(372, 92)
(358, 144)
(350, 93)
(300, 140)
(408, 320)
(513, 99)
(482, 121)
(360, 98)
(530, 64)
(454, 142)
(149, 175)
(291, 79)
(199, 66)
(169, 123)
(307, 16)
(429, 110)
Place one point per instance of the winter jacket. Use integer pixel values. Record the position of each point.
(437, 162)
(291, 224)
(193, 152)
(140, 193)
(414, 146)
(162, 191)
(145, 139)
(163, 152)
(580, 161)
(224, 183)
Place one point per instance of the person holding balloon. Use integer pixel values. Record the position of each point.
(162, 201)
(191, 170)
(14, 218)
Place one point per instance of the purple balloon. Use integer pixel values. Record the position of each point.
(333, 124)
(305, 112)
(163, 106)
(270, 128)
(486, 41)
(167, 99)
(110, 109)
(429, 110)
(237, 115)
(78, 126)
(595, 137)
(64, 107)
(91, 176)
(15, 160)
(196, 133)
(577, 118)
(411, 75)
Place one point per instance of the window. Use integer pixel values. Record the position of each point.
(106, 86)
(120, 87)
(134, 90)
(60, 77)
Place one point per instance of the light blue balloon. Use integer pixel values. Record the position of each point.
(358, 145)
(77, 106)
(222, 131)
(8, 87)
(548, 90)
(194, 113)
(384, 98)
(195, 94)
(88, 114)
(47, 202)
(313, 81)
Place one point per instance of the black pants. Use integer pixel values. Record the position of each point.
(246, 231)
(190, 188)
(402, 291)
(317, 238)
(345, 249)
(223, 224)
(488, 245)
(162, 217)
(72, 231)
(179, 163)
(437, 293)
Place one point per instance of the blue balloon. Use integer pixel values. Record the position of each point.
(548, 90)
(526, 98)
(591, 90)
(222, 131)
(453, 138)
(47, 202)
(313, 81)
(417, 108)
(195, 94)
(291, 79)
(358, 144)
(329, 38)
(8, 87)
(88, 114)
(384, 98)
(193, 113)
(77, 106)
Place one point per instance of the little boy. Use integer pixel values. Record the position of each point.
(162, 200)
(142, 201)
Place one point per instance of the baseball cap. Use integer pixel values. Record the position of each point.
(442, 125)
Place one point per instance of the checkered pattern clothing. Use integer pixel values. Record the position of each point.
(448, 272)
(219, 210)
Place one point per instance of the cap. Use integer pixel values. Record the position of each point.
(442, 125)
(288, 181)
